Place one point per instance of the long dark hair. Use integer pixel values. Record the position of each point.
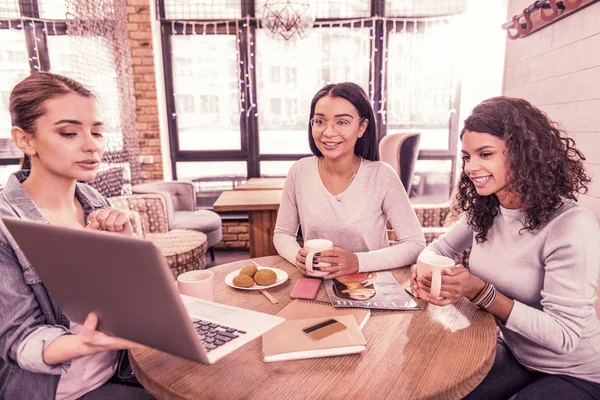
(544, 167)
(27, 99)
(366, 146)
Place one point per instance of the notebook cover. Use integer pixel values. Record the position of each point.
(299, 309)
(287, 341)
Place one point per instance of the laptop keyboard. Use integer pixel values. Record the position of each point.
(214, 335)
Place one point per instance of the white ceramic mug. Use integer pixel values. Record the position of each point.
(199, 283)
(314, 246)
(435, 264)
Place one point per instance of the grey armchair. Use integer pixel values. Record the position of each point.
(401, 150)
(180, 198)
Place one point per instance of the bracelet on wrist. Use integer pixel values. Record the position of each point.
(486, 297)
(480, 293)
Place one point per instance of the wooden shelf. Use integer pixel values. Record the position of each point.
(531, 19)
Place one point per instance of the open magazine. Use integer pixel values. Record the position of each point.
(369, 290)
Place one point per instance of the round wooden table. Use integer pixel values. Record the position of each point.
(440, 352)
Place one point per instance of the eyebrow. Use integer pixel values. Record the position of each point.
(75, 122)
(336, 116)
(480, 148)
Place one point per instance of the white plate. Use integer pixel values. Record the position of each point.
(281, 277)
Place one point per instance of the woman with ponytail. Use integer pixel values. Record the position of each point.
(56, 123)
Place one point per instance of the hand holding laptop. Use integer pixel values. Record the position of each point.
(87, 342)
(99, 341)
(142, 304)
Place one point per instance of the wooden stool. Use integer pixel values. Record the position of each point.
(184, 249)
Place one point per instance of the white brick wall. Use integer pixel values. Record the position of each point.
(558, 70)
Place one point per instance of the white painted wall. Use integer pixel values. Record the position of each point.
(558, 69)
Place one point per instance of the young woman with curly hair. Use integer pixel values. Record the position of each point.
(535, 258)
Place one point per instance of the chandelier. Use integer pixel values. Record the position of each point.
(288, 19)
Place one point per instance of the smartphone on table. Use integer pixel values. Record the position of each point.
(306, 288)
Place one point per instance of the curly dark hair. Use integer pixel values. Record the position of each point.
(544, 167)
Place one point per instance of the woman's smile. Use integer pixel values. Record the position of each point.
(481, 181)
(331, 145)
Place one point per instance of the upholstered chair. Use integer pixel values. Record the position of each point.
(435, 220)
(401, 150)
(180, 200)
(184, 250)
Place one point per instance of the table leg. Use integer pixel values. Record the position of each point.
(261, 226)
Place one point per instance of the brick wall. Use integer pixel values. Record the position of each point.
(235, 235)
(144, 80)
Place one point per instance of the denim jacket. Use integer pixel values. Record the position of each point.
(30, 319)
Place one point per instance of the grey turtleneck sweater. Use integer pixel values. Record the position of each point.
(551, 275)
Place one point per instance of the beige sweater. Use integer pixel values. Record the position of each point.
(552, 276)
(354, 220)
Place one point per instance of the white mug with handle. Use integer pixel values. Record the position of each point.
(314, 246)
(435, 264)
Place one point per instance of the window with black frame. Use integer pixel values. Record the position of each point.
(89, 42)
(23, 49)
(238, 95)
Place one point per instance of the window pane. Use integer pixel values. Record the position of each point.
(80, 58)
(53, 9)
(275, 169)
(289, 73)
(14, 67)
(9, 9)
(205, 80)
(203, 9)
(5, 171)
(327, 8)
(431, 139)
(423, 8)
(343, 9)
(431, 181)
(420, 82)
(61, 56)
(212, 178)
(212, 171)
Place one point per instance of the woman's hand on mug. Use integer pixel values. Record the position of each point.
(458, 282)
(420, 286)
(414, 286)
(112, 220)
(301, 260)
(342, 262)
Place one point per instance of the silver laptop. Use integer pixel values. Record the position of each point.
(128, 284)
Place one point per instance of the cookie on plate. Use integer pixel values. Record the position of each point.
(265, 277)
(243, 280)
(249, 270)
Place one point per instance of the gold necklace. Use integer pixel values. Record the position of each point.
(338, 196)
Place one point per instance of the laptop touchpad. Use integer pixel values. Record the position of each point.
(208, 311)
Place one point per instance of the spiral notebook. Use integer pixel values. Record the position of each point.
(290, 341)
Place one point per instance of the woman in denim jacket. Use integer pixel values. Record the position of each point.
(56, 123)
